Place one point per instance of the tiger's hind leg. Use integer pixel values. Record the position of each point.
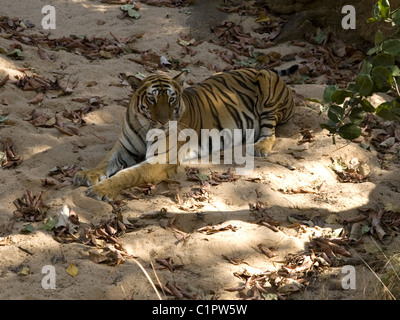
(264, 145)
(267, 137)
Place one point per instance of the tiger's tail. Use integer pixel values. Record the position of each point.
(286, 72)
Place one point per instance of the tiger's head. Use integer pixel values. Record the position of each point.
(158, 98)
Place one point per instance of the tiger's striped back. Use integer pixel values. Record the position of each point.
(240, 99)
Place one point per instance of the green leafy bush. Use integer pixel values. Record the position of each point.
(379, 73)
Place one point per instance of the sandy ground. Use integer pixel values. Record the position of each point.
(204, 271)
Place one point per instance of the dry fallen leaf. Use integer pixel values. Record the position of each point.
(330, 248)
(110, 255)
(24, 271)
(29, 207)
(67, 219)
(214, 229)
(178, 292)
(72, 269)
(37, 99)
(235, 261)
(168, 263)
(8, 158)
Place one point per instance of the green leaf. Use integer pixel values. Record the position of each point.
(262, 18)
(291, 219)
(394, 70)
(339, 96)
(373, 51)
(203, 177)
(382, 77)
(331, 129)
(396, 17)
(49, 224)
(384, 110)
(396, 111)
(378, 38)
(328, 93)
(320, 37)
(366, 67)
(364, 84)
(365, 229)
(367, 106)
(133, 13)
(27, 229)
(384, 9)
(371, 20)
(395, 103)
(126, 7)
(383, 59)
(269, 296)
(357, 115)
(75, 36)
(336, 113)
(105, 54)
(391, 46)
(365, 146)
(384, 3)
(352, 87)
(130, 9)
(375, 12)
(16, 53)
(349, 131)
(247, 62)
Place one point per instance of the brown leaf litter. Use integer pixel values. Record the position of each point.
(103, 236)
(292, 276)
(8, 158)
(30, 208)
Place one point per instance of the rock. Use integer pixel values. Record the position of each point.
(328, 14)
(204, 14)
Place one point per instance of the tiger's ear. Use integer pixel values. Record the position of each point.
(135, 82)
(180, 78)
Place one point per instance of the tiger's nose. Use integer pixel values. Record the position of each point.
(163, 121)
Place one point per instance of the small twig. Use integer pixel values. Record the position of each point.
(397, 88)
(147, 276)
(4, 80)
(342, 147)
(158, 279)
(25, 250)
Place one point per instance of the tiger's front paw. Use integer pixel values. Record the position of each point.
(89, 177)
(102, 191)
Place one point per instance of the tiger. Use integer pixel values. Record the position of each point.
(239, 99)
